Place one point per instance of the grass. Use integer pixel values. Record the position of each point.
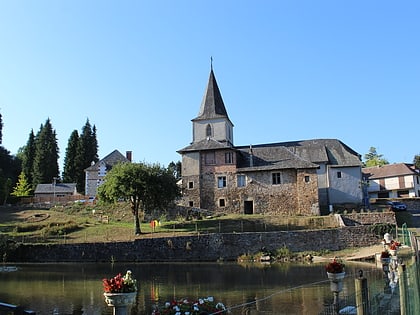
(79, 223)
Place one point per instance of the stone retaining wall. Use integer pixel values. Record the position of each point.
(207, 247)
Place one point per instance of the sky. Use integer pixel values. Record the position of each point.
(287, 71)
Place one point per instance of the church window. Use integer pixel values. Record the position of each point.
(307, 179)
(210, 158)
(228, 157)
(208, 131)
(190, 185)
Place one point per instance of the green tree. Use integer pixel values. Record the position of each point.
(1, 129)
(23, 188)
(28, 156)
(45, 166)
(147, 187)
(175, 169)
(416, 161)
(374, 159)
(87, 153)
(71, 171)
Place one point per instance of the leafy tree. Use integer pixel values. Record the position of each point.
(416, 161)
(45, 166)
(374, 159)
(23, 188)
(148, 187)
(71, 171)
(28, 156)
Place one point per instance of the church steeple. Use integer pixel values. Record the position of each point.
(212, 120)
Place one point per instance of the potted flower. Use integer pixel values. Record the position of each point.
(393, 247)
(120, 291)
(191, 307)
(335, 269)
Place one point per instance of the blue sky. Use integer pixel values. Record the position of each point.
(287, 70)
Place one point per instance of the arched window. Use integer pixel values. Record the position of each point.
(208, 131)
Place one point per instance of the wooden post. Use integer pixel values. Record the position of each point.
(403, 283)
(361, 292)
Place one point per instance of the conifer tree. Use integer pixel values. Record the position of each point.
(23, 188)
(28, 157)
(1, 129)
(86, 154)
(45, 166)
(70, 172)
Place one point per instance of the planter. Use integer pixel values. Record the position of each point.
(335, 277)
(120, 301)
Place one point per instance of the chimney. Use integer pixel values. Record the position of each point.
(251, 156)
(129, 155)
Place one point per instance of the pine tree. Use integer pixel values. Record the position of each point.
(23, 188)
(70, 172)
(45, 166)
(87, 153)
(1, 129)
(28, 157)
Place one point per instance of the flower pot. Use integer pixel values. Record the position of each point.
(336, 276)
(385, 260)
(120, 301)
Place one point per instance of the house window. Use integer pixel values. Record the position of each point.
(228, 158)
(276, 178)
(338, 174)
(241, 180)
(208, 131)
(190, 185)
(307, 179)
(191, 203)
(222, 202)
(221, 181)
(418, 181)
(210, 158)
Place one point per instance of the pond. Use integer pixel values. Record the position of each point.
(287, 288)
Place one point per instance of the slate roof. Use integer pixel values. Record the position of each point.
(206, 144)
(110, 160)
(212, 105)
(390, 170)
(60, 188)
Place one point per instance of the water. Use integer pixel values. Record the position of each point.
(248, 289)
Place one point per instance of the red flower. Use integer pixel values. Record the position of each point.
(335, 266)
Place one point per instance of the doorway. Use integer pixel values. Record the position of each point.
(248, 207)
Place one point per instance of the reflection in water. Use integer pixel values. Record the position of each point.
(269, 289)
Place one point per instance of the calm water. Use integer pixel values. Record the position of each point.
(249, 289)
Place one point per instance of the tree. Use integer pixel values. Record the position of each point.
(1, 129)
(87, 153)
(28, 156)
(374, 159)
(45, 166)
(175, 169)
(146, 186)
(71, 171)
(23, 187)
(416, 161)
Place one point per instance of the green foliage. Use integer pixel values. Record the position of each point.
(45, 166)
(382, 228)
(22, 188)
(28, 156)
(374, 159)
(416, 161)
(70, 172)
(146, 186)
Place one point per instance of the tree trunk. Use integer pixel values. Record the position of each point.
(137, 229)
(135, 210)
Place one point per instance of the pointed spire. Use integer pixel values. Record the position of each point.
(212, 105)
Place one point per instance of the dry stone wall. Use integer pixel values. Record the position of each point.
(208, 247)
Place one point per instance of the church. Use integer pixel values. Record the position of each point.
(292, 178)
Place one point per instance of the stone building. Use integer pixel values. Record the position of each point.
(277, 178)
